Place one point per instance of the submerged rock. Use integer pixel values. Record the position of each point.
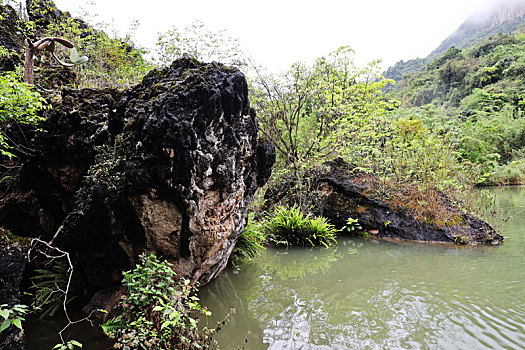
(338, 193)
(345, 196)
(169, 166)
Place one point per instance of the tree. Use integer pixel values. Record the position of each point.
(48, 44)
(201, 43)
(315, 112)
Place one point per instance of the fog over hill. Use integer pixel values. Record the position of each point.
(501, 16)
(504, 16)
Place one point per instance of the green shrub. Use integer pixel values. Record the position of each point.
(113, 62)
(19, 104)
(158, 310)
(12, 316)
(290, 227)
(250, 242)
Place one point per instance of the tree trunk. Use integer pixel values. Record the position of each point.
(29, 63)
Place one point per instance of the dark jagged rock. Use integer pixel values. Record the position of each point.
(344, 197)
(337, 193)
(10, 38)
(13, 258)
(45, 13)
(169, 166)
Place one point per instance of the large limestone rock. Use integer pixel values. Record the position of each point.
(169, 166)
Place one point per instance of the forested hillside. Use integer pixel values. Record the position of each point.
(476, 97)
(504, 17)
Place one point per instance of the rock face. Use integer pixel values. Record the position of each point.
(169, 166)
(337, 193)
(13, 257)
(10, 38)
(344, 197)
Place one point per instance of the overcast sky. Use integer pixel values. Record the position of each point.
(279, 32)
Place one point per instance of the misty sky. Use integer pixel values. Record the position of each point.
(279, 32)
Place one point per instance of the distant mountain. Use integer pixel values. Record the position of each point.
(505, 16)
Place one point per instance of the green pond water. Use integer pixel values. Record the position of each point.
(366, 294)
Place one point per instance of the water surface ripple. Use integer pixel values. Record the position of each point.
(380, 295)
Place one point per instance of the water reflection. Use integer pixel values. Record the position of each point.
(380, 295)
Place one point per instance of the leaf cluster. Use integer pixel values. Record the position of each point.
(20, 104)
(289, 226)
(250, 242)
(159, 310)
(12, 316)
(50, 287)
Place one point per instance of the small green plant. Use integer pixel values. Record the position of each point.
(251, 241)
(12, 316)
(70, 345)
(461, 239)
(354, 227)
(159, 310)
(289, 226)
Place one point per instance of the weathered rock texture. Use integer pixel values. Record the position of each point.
(169, 166)
(10, 37)
(345, 197)
(339, 194)
(13, 257)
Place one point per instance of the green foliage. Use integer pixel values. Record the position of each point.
(251, 241)
(19, 104)
(313, 107)
(12, 316)
(402, 69)
(201, 43)
(50, 288)
(289, 226)
(352, 226)
(70, 345)
(113, 62)
(479, 92)
(158, 310)
(113, 325)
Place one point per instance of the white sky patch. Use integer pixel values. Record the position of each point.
(279, 32)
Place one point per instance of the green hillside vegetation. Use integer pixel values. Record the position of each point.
(474, 31)
(506, 18)
(403, 68)
(475, 97)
